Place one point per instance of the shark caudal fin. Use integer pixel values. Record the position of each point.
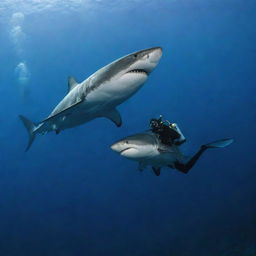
(30, 128)
(219, 143)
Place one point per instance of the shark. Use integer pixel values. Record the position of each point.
(147, 149)
(98, 95)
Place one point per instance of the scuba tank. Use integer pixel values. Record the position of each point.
(182, 138)
(178, 137)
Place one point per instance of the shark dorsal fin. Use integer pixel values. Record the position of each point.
(72, 83)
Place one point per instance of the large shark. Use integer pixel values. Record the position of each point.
(99, 94)
(147, 149)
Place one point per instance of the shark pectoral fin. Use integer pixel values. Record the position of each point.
(72, 83)
(157, 170)
(64, 113)
(115, 117)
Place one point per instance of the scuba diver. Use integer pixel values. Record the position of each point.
(168, 133)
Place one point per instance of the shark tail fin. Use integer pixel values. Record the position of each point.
(30, 126)
(219, 143)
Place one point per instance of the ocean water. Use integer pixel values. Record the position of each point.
(70, 195)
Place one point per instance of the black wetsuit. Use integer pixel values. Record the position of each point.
(166, 134)
(187, 166)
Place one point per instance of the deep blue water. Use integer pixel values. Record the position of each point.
(70, 195)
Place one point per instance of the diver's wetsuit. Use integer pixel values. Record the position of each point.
(166, 134)
(170, 136)
(187, 166)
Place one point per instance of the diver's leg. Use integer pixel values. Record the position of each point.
(187, 166)
(215, 144)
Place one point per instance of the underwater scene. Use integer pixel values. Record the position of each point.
(127, 128)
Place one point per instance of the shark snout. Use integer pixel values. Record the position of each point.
(157, 51)
(154, 54)
(115, 147)
(123, 148)
(150, 58)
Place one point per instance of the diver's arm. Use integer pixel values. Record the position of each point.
(187, 166)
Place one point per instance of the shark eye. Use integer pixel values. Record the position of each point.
(126, 142)
(135, 55)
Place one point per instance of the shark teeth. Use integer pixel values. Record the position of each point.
(138, 71)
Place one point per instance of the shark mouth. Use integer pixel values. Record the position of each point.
(124, 150)
(141, 71)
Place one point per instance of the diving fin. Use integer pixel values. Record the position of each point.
(30, 126)
(219, 143)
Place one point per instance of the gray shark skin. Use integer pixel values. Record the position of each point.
(99, 94)
(147, 149)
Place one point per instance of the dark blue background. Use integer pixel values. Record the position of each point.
(70, 195)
